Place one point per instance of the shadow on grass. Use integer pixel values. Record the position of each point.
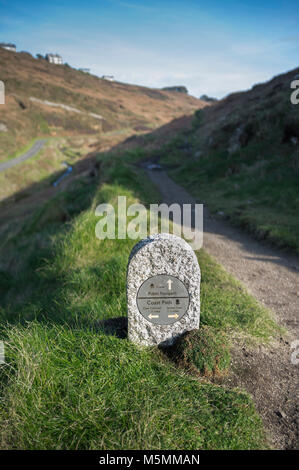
(114, 327)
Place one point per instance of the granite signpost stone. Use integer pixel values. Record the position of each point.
(163, 290)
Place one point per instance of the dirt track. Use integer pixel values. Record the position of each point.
(272, 277)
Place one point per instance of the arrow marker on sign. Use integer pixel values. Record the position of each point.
(153, 316)
(173, 316)
(169, 282)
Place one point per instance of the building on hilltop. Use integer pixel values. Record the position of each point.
(54, 59)
(8, 46)
(110, 78)
(179, 89)
(84, 70)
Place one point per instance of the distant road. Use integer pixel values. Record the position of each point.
(36, 147)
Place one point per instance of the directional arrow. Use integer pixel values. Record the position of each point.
(173, 316)
(169, 282)
(153, 316)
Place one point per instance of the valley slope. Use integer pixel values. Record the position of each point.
(44, 99)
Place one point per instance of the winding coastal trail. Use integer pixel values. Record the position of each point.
(36, 147)
(272, 277)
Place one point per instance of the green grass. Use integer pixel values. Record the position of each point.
(68, 384)
(261, 196)
(78, 389)
(227, 307)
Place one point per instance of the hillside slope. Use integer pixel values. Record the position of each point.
(46, 99)
(241, 157)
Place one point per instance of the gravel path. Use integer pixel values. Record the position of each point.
(272, 276)
(36, 147)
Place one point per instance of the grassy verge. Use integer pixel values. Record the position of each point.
(262, 199)
(67, 384)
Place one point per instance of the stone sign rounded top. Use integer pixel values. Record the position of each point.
(163, 290)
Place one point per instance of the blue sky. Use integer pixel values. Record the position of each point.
(212, 47)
